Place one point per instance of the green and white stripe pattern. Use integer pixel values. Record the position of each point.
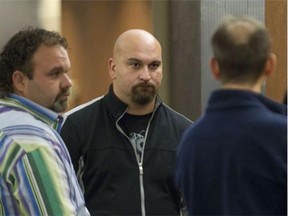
(36, 173)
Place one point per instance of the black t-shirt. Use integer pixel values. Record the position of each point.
(135, 127)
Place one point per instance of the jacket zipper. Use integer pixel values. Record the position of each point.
(140, 163)
(142, 193)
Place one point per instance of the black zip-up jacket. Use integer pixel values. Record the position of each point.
(115, 182)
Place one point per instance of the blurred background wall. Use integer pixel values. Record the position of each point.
(183, 27)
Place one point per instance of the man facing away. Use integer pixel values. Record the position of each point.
(233, 160)
(126, 141)
(36, 173)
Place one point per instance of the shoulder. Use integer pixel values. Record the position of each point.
(272, 123)
(84, 106)
(19, 118)
(174, 114)
(84, 109)
(168, 116)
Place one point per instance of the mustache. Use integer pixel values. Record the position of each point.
(144, 84)
(64, 92)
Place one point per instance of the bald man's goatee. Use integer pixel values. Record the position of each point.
(143, 93)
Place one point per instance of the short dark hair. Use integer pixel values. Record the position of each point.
(18, 52)
(241, 46)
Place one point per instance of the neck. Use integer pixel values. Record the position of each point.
(138, 109)
(255, 87)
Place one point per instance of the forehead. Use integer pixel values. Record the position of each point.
(50, 56)
(141, 46)
(55, 51)
(142, 53)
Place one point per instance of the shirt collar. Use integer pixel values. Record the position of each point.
(48, 116)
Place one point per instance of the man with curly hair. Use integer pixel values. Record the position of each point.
(36, 173)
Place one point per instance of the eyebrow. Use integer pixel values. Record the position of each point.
(133, 59)
(138, 60)
(157, 61)
(60, 68)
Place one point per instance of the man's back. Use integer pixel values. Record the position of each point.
(237, 157)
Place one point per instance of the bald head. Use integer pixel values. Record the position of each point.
(136, 39)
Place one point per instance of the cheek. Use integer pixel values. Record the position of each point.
(44, 89)
(128, 79)
(157, 77)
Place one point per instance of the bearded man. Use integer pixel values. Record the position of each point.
(123, 145)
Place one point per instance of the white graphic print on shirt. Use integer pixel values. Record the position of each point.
(138, 141)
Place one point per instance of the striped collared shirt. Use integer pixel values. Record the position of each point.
(36, 173)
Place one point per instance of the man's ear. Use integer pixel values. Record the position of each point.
(214, 66)
(19, 81)
(270, 65)
(111, 68)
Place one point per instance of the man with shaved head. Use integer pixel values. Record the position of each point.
(233, 160)
(123, 145)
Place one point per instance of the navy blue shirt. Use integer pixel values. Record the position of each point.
(233, 160)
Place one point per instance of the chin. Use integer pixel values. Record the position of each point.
(59, 108)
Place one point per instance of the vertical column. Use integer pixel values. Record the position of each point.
(276, 22)
(185, 57)
(49, 13)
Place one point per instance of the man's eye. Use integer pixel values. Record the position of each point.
(154, 66)
(54, 74)
(135, 65)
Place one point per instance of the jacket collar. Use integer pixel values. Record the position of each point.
(226, 98)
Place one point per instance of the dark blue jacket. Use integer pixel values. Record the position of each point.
(232, 161)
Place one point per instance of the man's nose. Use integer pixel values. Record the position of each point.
(67, 82)
(145, 74)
